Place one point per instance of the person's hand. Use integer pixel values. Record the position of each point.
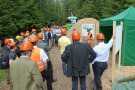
(113, 37)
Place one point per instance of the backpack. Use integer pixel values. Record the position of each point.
(4, 60)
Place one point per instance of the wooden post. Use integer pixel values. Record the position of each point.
(95, 41)
(113, 52)
(120, 45)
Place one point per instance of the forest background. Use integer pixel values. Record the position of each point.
(20, 15)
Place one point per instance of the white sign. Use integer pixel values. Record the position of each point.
(84, 29)
(118, 38)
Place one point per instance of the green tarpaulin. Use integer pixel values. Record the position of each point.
(130, 85)
(128, 43)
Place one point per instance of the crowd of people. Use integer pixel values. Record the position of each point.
(30, 64)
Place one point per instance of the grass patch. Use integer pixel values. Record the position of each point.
(2, 75)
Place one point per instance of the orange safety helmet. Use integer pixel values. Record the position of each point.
(6, 41)
(12, 44)
(33, 30)
(51, 29)
(56, 26)
(27, 34)
(76, 36)
(42, 29)
(100, 36)
(33, 39)
(40, 36)
(22, 34)
(26, 46)
(63, 31)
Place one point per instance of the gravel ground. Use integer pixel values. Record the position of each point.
(64, 83)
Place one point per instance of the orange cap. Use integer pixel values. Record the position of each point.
(42, 29)
(22, 34)
(12, 44)
(33, 39)
(33, 30)
(100, 36)
(76, 36)
(51, 29)
(40, 36)
(6, 41)
(27, 34)
(26, 46)
(63, 31)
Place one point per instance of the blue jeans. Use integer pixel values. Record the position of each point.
(64, 68)
(82, 82)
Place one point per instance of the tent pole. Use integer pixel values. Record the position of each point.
(120, 45)
(113, 52)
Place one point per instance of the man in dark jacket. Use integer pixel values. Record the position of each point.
(46, 48)
(78, 56)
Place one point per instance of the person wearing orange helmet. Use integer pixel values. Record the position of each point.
(24, 73)
(78, 56)
(33, 33)
(6, 46)
(5, 50)
(62, 43)
(46, 48)
(38, 55)
(27, 36)
(22, 37)
(12, 57)
(99, 64)
(12, 54)
(89, 38)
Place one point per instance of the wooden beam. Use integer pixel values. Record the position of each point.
(113, 52)
(119, 62)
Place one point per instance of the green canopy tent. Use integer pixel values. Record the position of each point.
(128, 39)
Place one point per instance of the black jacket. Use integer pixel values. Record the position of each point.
(78, 56)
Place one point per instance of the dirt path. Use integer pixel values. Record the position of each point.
(64, 83)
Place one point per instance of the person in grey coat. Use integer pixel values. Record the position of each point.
(46, 48)
(78, 56)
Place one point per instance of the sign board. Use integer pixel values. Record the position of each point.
(84, 29)
(118, 38)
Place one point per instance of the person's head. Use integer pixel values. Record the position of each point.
(34, 40)
(26, 49)
(51, 29)
(40, 36)
(18, 37)
(22, 34)
(33, 31)
(7, 41)
(74, 30)
(27, 32)
(89, 29)
(27, 35)
(63, 32)
(13, 46)
(76, 36)
(42, 30)
(100, 37)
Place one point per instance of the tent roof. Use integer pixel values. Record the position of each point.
(127, 15)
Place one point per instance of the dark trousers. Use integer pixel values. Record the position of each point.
(49, 69)
(47, 76)
(56, 40)
(98, 69)
(82, 82)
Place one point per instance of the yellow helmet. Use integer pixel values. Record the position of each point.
(18, 37)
